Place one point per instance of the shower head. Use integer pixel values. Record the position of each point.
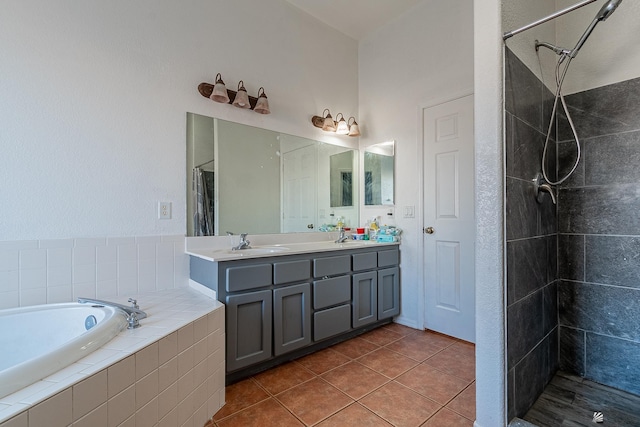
(602, 15)
(607, 9)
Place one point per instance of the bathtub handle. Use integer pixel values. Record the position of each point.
(134, 314)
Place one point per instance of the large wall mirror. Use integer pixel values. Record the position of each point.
(379, 173)
(245, 179)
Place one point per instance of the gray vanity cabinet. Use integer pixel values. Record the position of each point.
(248, 328)
(291, 318)
(282, 307)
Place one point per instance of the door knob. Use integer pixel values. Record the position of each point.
(429, 230)
(310, 226)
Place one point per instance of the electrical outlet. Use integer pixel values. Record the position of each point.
(164, 210)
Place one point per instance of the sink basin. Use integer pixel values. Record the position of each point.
(255, 251)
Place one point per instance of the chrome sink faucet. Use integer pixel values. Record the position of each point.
(244, 243)
(342, 237)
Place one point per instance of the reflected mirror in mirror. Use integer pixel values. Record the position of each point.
(245, 179)
(379, 173)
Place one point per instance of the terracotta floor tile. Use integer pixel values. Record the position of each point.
(413, 348)
(465, 402)
(387, 362)
(355, 347)
(355, 379)
(455, 360)
(381, 336)
(447, 418)
(354, 415)
(283, 377)
(432, 383)
(433, 339)
(400, 329)
(399, 406)
(266, 413)
(239, 396)
(323, 361)
(314, 400)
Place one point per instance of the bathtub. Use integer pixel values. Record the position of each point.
(39, 340)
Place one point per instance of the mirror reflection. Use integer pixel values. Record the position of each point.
(378, 173)
(244, 179)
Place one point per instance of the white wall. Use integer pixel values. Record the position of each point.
(93, 102)
(422, 56)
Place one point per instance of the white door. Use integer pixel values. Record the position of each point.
(299, 190)
(449, 219)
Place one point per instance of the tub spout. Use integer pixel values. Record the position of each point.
(134, 314)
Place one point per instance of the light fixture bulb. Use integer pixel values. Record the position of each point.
(329, 125)
(262, 105)
(342, 128)
(242, 98)
(219, 93)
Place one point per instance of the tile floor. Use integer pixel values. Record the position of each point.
(393, 375)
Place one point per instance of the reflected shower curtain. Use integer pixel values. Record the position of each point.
(202, 215)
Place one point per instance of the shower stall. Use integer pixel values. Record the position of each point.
(573, 267)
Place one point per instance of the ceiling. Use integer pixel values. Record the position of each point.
(355, 18)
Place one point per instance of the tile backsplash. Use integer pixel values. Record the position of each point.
(36, 272)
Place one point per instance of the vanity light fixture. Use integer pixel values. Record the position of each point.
(242, 98)
(341, 126)
(219, 93)
(354, 129)
(262, 105)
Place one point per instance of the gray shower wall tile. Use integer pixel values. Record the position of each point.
(521, 209)
(613, 260)
(612, 159)
(602, 111)
(614, 362)
(599, 210)
(571, 358)
(547, 216)
(552, 257)
(524, 327)
(531, 376)
(524, 150)
(527, 267)
(607, 310)
(567, 154)
(571, 257)
(523, 91)
(549, 308)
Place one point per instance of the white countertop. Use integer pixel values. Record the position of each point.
(270, 250)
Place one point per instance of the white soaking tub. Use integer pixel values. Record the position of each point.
(39, 340)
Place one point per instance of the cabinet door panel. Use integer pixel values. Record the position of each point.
(388, 292)
(248, 277)
(332, 321)
(332, 291)
(248, 329)
(292, 318)
(388, 258)
(365, 296)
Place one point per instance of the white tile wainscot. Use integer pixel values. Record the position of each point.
(168, 372)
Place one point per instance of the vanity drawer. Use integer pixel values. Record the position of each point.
(247, 277)
(291, 271)
(331, 266)
(332, 291)
(330, 322)
(388, 258)
(365, 261)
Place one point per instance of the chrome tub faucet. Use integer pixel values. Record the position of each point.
(134, 314)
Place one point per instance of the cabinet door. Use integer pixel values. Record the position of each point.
(365, 296)
(248, 329)
(388, 292)
(291, 318)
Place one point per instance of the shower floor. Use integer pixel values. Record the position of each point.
(569, 400)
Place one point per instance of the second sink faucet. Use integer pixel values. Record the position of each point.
(244, 243)
(342, 237)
